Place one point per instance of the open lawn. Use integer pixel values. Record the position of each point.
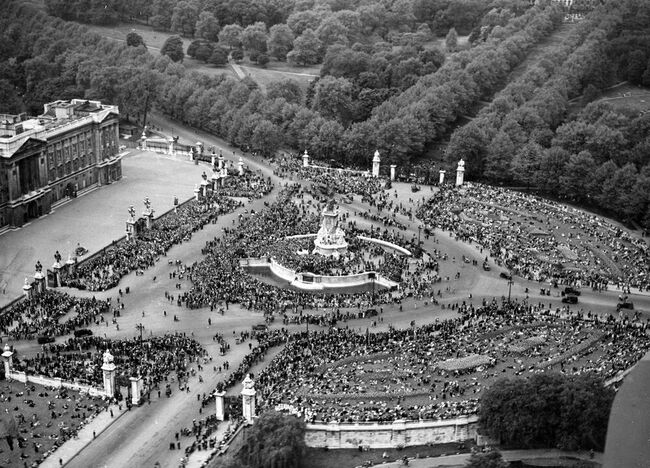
(635, 98)
(42, 417)
(350, 458)
(155, 39)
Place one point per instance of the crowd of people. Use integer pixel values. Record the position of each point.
(438, 371)
(40, 315)
(80, 359)
(540, 239)
(105, 270)
(249, 185)
(220, 279)
(337, 180)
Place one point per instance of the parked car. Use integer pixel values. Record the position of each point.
(571, 290)
(505, 275)
(570, 299)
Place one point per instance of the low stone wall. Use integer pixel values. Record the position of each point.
(318, 282)
(20, 376)
(386, 244)
(399, 433)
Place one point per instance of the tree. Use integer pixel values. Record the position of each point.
(230, 35)
(491, 459)
(332, 31)
(11, 102)
(173, 48)
(204, 52)
(134, 39)
(194, 45)
(636, 65)
(333, 98)
(207, 27)
(237, 55)
(286, 89)
(451, 40)
(645, 79)
(525, 163)
(184, 18)
(254, 38)
(274, 440)
(280, 41)
(547, 410)
(263, 60)
(306, 49)
(219, 56)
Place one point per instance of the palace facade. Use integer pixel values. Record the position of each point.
(72, 146)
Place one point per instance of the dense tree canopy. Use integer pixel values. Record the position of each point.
(547, 410)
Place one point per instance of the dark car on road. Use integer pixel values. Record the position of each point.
(570, 299)
(571, 290)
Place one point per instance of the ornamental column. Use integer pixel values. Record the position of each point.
(375, 164)
(392, 172)
(248, 399)
(27, 289)
(219, 405)
(7, 357)
(441, 180)
(108, 369)
(130, 224)
(460, 173)
(240, 166)
(148, 213)
(305, 159)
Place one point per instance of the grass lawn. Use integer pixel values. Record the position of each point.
(40, 430)
(350, 458)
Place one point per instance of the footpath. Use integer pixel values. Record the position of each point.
(508, 455)
(70, 448)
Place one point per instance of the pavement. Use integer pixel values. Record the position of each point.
(85, 436)
(95, 218)
(508, 455)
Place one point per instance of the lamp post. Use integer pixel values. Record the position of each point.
(140, 327)
(419, 232)
(510, 283)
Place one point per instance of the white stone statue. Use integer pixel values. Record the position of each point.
(108, 357)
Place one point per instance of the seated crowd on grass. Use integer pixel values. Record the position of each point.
(539, 239)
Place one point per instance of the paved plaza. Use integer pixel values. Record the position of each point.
(95, 218)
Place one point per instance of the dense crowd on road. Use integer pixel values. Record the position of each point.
(248, 185)
(80, 359)
(540, 239)
(40, 315)
(105, 270)
(336, 180)
(439, 371)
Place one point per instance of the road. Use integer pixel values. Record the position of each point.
(141, 438)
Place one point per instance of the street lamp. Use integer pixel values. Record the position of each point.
(140, 327)
(510, 283)
(419, 232)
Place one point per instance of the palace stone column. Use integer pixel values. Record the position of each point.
(108, 369)
(7, 357)
(219, 405)
(248, 399)
(375, 164)
(460, 173)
